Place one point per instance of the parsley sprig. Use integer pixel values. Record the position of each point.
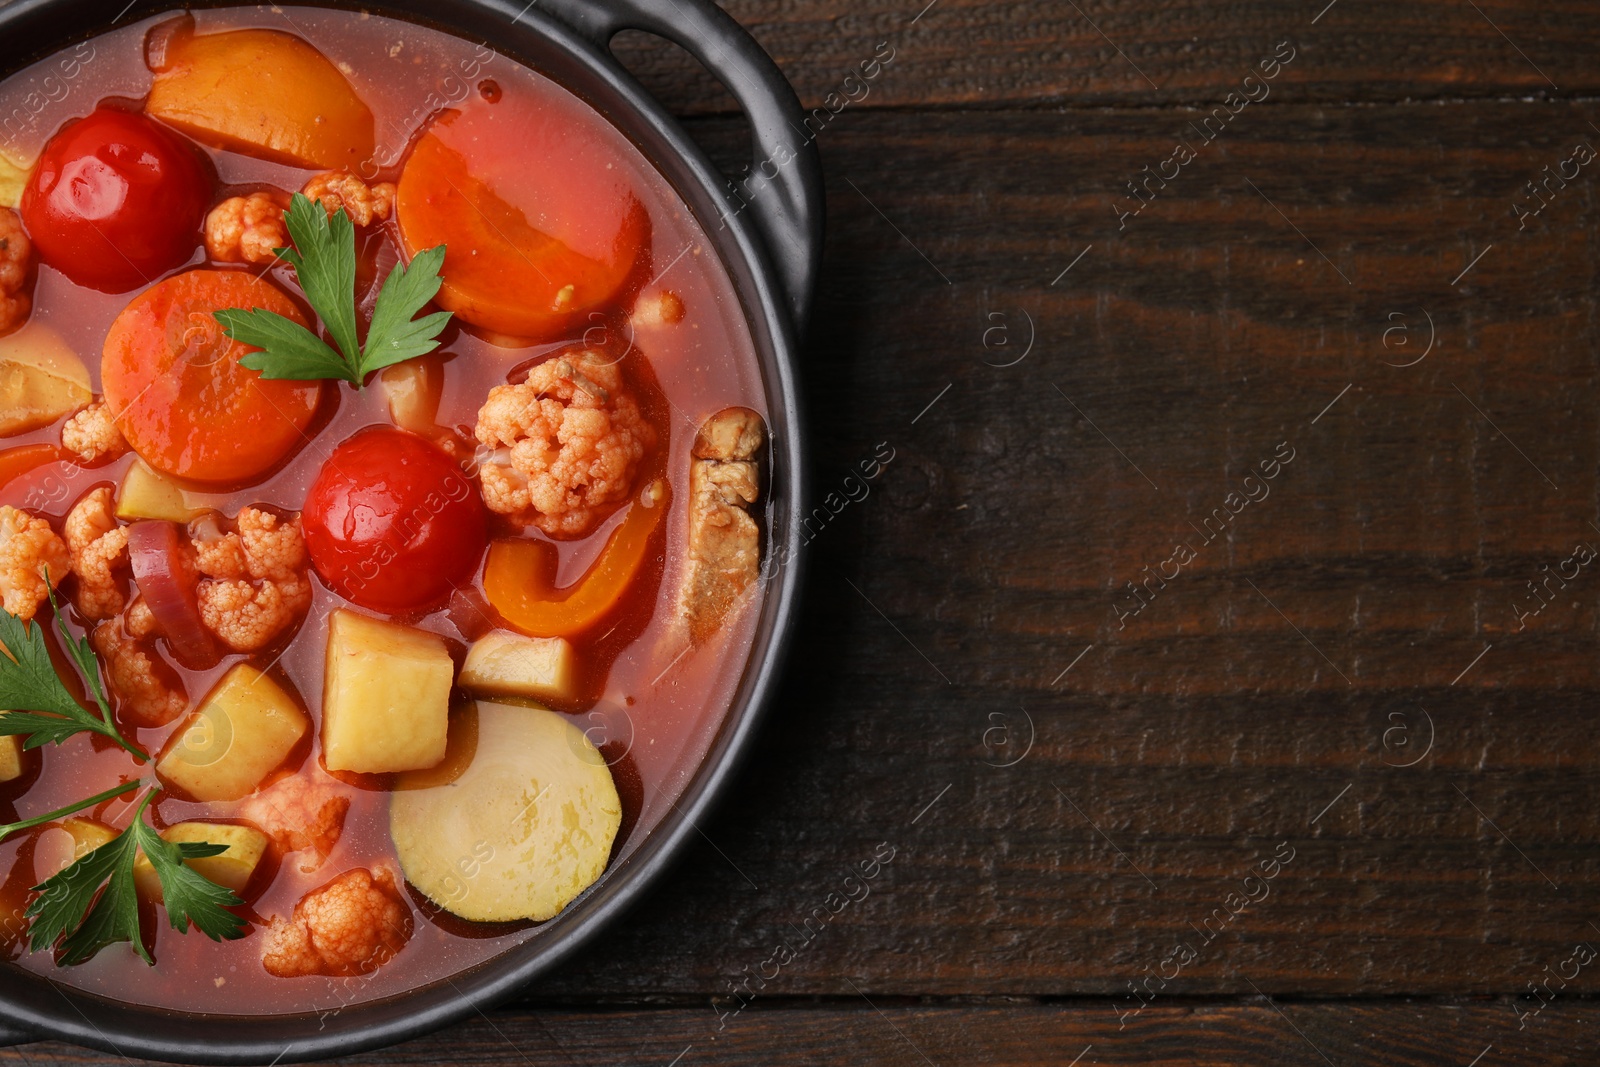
(324, 259)
(39, 707)
(94, 902)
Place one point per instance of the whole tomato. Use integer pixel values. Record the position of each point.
(116, 200)
(392, 523)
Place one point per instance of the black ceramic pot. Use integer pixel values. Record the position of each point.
(770, 243)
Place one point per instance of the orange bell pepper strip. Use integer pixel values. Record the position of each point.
(15, 462)
(519, 577)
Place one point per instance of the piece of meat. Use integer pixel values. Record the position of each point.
(99, 550)
(92, 434)
(363, 203)
(565, 444)
(353, 925)
(303, 812)
(247, 229)
(255, 583)
(16, 262)
(149, 692)
(724, 548)
(29, 550)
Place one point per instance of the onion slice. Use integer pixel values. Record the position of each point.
(156, 550)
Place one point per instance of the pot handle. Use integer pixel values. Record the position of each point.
(783, 192)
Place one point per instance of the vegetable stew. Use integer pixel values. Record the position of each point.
(381, 494)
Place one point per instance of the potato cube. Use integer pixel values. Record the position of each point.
(243, 731)
(508, 664)
(149, 494)
(59, 847)
(13, 180)
(412, 388)
(231, 869)
(41, 379)
(386, 696)
(11, 761)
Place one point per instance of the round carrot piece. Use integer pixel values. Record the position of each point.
(541, 220)
(180, 397)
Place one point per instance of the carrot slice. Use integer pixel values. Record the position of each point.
(519, 577)
(541, 221)
(179, 395)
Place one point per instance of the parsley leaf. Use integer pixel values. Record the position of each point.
(40, 708)
(324, 259)
(94, 902)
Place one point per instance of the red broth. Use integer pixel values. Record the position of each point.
(654, 715)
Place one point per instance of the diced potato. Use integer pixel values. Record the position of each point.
(526, 828)
(386, 696)
(41, 379)
(231, 869)
(146, 493)
(508, 664)
(243, 731)
(58, 847)
(263, 93)
(11, 762)
(13, 180)
(412, 389)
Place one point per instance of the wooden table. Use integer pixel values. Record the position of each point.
(1320, 784)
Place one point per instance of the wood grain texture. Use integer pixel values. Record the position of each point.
(1406, 1034)
(1043, 53)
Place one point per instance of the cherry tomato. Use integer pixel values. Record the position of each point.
(391, 522)
(116, 201)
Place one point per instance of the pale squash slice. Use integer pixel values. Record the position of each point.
(522, 831)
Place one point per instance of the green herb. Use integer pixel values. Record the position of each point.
(324, 259)
(39, 707)
(94, 902)
(7, 829)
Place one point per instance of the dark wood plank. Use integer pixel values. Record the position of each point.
(1280, 673)
(1040, 53)
(1001, 1035)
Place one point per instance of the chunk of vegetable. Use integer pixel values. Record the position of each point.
(41, 379)
(146, 493)
(386, 696)
(538, 211)
(60, 846)
(243, 731)
(544, 668)
(412, 389)
(180, 396)
(11, 762)
(13, 180)
(519, 576)
(262, 93)
(522, 832)
(161, 557)
(231, 869)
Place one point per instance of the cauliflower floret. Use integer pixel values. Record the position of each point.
(353, 925)
(99, 549)
(148, 692)
(16, 254)
(300, 813)
(256, 583)
(92, 434)
(139, 619)
(246, 229)
(575, 439)
(29, 550)
(335, 189)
